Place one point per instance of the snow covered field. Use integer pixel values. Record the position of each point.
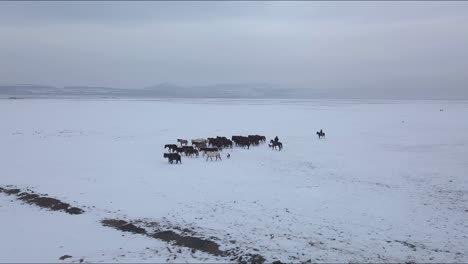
(388, 184)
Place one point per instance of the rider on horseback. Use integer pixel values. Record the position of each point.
(276, 139)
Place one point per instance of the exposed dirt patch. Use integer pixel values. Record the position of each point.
(42, 201)
(65, 257)
(182, 237)
(177, 236)
(196, 243)
(123, 226)
(11, 191)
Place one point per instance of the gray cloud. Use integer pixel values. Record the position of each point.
(392, 46)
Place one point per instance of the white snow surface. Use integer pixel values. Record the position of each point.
(387, 171)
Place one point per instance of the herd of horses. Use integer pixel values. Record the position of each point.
(212, 147)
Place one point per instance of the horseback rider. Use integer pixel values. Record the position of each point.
(321, 132)
(276, 139)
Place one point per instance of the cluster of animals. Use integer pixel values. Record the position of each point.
(209, 147)
(243, 142)
(212, 147)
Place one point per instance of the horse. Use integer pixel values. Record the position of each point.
(173, 156)
(206, 150)
(185, 149)
(188, 147)
(182, 142)
(191, 151)
(320, 134)
(242, 141)
(179, 150)
(273, 144)
(220, 142)
(171, 147)
(199, 145)
(199, 141)
(213, 154)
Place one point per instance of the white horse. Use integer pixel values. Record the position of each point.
(213, 154)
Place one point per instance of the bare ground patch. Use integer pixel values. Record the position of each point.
(183, 237)
(42, 201)
(177, 236)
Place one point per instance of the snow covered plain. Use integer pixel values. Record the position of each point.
(388, 184)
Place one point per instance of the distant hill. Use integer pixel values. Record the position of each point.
(239, 90)
(163, 90)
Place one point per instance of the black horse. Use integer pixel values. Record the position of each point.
(320, 134)
(273, 144)
(171, 147)
(173, 156)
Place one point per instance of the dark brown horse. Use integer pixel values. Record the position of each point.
(273, 144)
(320, 134)
(191, 151)
(173, 156)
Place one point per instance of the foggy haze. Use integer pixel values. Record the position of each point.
(386, 49)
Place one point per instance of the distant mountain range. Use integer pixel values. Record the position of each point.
(163, 90)
(240, 90)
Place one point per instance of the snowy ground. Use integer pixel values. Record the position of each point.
(388, 184)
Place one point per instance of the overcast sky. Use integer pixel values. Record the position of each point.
(365, 45)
